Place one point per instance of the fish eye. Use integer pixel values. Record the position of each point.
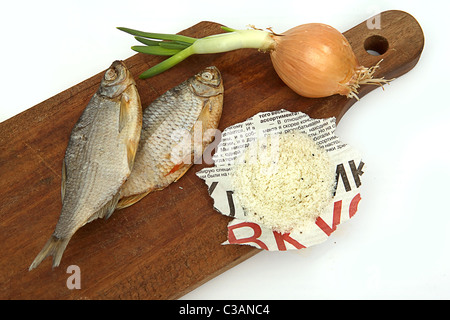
(207, 76)
(110, 74)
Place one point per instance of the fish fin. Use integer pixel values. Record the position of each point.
(107, 210)
(63, 180)
(54, 247)
(131, 153)
(181, 167)
(184, 165)
(182, 173)
(110, 207)
(205, 114)
(124, 116)
(124, 111)
(203, 123)
(128, 201)
(174, 169)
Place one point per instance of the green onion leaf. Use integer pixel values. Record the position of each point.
(165, 44)
(158, 36)
(227, 29)
(155, 50)
(148, 42)
(167, 64)
(173, 45)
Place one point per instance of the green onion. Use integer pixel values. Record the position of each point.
(180, 47)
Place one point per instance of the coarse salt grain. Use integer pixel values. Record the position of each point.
(284, 181)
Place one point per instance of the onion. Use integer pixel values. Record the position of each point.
(314, 60)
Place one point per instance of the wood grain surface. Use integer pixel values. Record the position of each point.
(170, 242)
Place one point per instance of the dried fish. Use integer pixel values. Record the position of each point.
(176, 129)
(98, 159)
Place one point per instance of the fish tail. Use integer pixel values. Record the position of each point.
(54, 247)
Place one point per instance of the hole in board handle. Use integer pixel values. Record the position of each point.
(376, 45)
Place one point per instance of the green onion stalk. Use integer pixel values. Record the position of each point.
(180, 47)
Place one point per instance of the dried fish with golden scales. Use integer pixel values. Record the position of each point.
(168, 145)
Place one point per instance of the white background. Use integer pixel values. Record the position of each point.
(398, 244)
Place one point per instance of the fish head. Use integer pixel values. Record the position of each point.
(207, 83)
(115, 80)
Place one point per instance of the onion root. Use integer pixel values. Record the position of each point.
(364, 75)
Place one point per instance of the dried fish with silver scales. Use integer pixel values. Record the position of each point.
(98, 159)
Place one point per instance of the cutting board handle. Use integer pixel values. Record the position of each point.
(394, 36)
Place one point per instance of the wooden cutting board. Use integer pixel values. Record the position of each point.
(170, 242)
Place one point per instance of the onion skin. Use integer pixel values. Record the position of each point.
(315, 60)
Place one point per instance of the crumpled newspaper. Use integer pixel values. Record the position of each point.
(236, 138)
